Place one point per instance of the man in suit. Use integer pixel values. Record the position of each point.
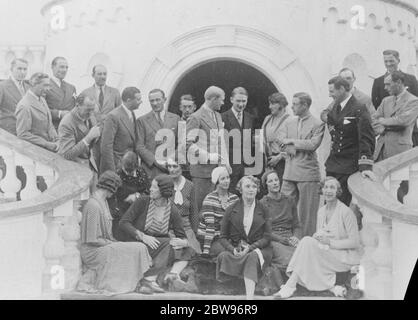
(33, 118)
(107, 98)
(78, 132)
(187, 107)
(12, 91)
(395, 118)
(205, 143)
(300, 138)
(362, 98)
(352, 137)
(120, 131)
(392, 60)
(236, 122)
(150, 138)
(61, 95)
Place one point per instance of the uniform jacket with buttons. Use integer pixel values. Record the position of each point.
(352, 139)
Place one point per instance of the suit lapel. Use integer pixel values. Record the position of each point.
(57, 90)
(238, 220)
(14, 91)
(246, 121)
(206, 117)
(400, 103)
(38, 105)
(258, 220)
(127, 123)
(107, 93)
(152, 121)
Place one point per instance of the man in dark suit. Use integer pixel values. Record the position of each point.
(205, 143)
(236, 122)
(61, 96)
(120, 131)
(107, 98)
(149, 126)
(12, 91)
(352, 137)
(392, 60)
(187, 107)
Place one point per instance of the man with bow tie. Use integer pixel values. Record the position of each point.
(12, 91)
(149, 138)
(237, 120)
(352, 137)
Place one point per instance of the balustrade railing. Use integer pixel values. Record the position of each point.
(390, 228)
(39, 256)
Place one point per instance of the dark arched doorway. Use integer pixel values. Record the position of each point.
(226, 74)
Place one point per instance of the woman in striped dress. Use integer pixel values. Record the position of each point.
(213, 210)
(185, 201)
(149, 220)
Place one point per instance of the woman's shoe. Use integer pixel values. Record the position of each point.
(339, 291)
(284, 293)
(152, 285)
(144, 290)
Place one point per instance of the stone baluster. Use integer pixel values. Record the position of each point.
(396, 178)
(46, 172)
(10, 184)
(53, 280)
(71, 261)
(30, 190)
(377, 256)
(411, 199)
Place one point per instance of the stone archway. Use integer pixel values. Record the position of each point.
(228, 42)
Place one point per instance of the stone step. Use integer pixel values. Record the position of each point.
(174, 296)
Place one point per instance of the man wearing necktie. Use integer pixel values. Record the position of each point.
(152, 141)
(301, 137)
(78, 134)
(352, 137)
(12, 91)
(107, 98)
(33, 118)
(205, 143)
(120, 131)
(61, 95)
(236, 122)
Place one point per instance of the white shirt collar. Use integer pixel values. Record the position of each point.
(56, 80)
(129, 112)
(343, 103)
(236, 113)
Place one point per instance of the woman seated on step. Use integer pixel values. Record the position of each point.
(149, 220)
(184, 200)
(213, 210)
(245, 233)
(110, 267)
(284, 220)
(135, 183)
(333, 248)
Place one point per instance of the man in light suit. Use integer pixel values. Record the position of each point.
(301, 137)
(120, 131)
(149, 126)
(238, 120)
(395, 118)
(61, 95)
(33, 118)
(107, 98)
(205, 143)
(12, 91)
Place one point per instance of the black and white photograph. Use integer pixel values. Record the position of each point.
(234, 151)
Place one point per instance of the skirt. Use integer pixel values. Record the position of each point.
(247, 266)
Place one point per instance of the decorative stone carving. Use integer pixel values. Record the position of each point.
(10, 184)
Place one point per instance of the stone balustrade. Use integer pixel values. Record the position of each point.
(39, 235)
(390, 228)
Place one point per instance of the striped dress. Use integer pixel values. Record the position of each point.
(211, 214)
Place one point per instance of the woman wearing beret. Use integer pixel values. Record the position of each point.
(245, 233)
(185, 201)
(149, 220)
(111, 267)
(213, 210)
